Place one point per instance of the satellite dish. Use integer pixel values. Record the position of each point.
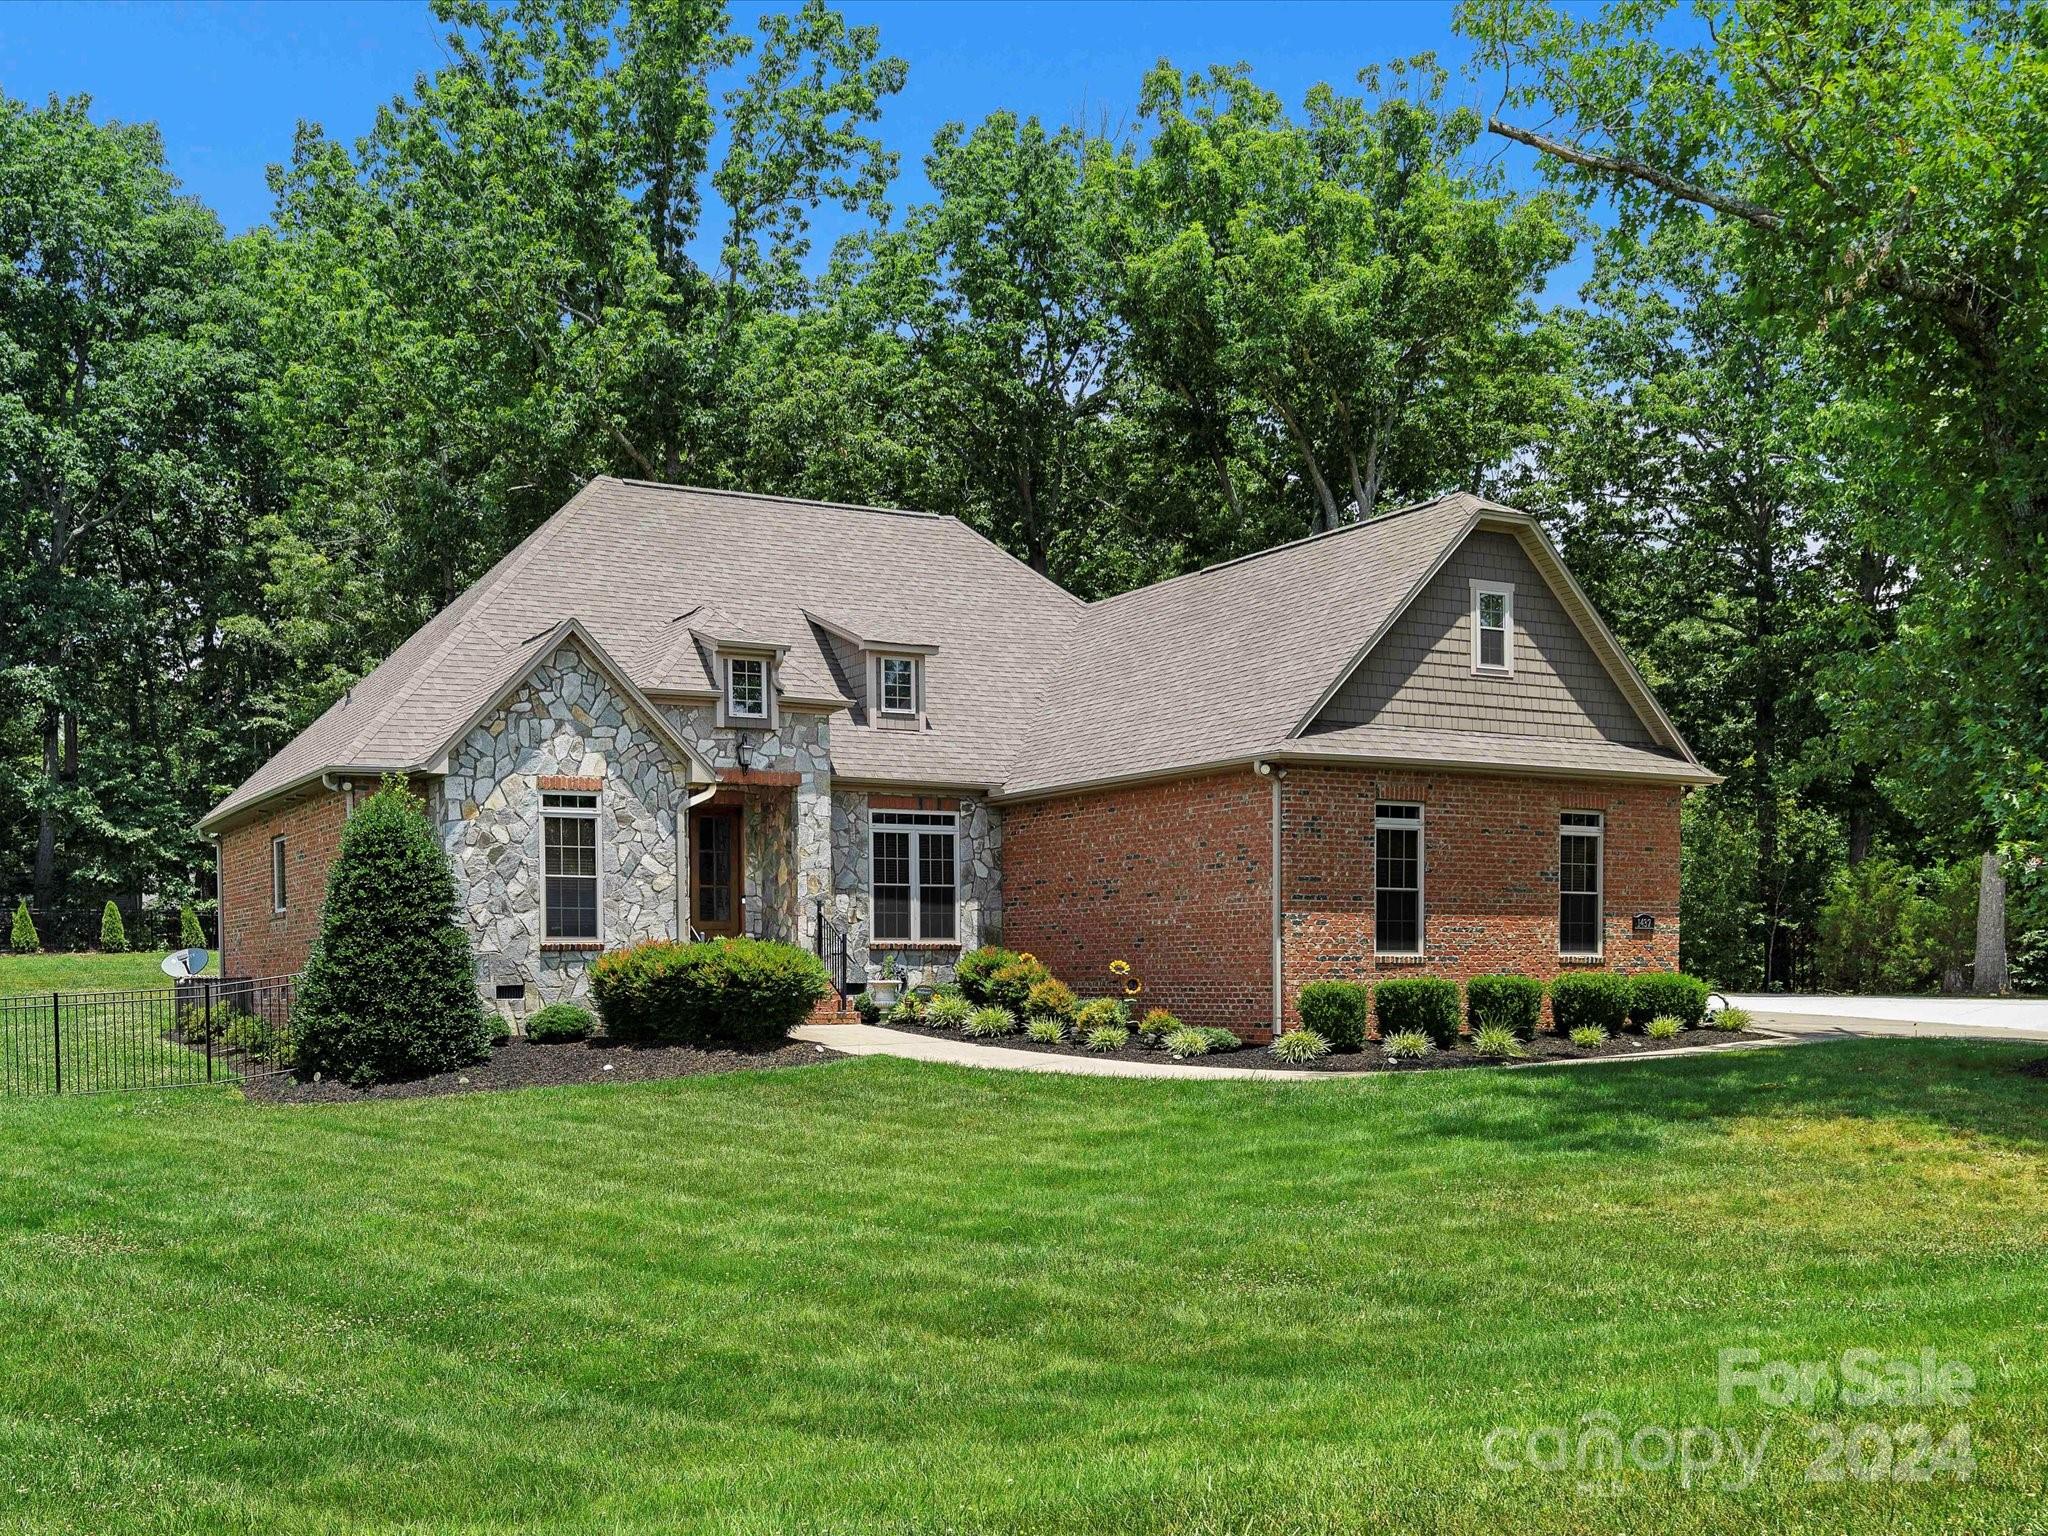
(184, 964)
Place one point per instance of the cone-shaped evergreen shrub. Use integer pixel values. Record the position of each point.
(113, 932)
(390, 989)
(23, 940)
(190, 934)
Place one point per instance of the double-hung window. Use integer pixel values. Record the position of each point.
(277, 874)
(1579, 896)
(1397, 878)
(915, 894)
(1493, 627)
(899, 685)
(746, 688)
(569, 868)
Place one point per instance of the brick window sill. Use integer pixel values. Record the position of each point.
(881, 946)
(1590, 962)
(1387, 960)
(571, 946)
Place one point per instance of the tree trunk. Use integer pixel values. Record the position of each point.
(1991, 978)
(1327, 501)
(1222, 462)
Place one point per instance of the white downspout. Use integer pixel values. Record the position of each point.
(1274, 776)
(690, 803)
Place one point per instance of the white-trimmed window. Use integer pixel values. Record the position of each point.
(277, 893)
(746, 687)
(1397, 878)
(914, 894)
(1581, 920)
(1493, 627)
(898, 684)
(569, 866)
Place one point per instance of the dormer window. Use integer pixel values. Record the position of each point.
(746, 688)
(1493, 627)
(899, 685)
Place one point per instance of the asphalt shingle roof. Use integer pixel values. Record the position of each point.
(1028, 689)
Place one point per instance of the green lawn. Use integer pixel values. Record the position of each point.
(878, 1295)
(113, 1019)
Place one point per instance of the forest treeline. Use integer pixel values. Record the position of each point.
(1789, 432)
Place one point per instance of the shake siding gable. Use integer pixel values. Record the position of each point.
(1420, 675)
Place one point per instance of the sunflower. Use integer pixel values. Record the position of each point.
(1119, 967)
(1133, 987)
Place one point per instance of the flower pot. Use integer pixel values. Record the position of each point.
(887, 992)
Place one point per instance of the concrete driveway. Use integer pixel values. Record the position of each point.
(1962, 1018)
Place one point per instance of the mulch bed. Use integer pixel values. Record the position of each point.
(522, 1064)
(1545, 1047)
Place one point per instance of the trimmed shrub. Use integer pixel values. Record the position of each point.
(949, 1010)
(1427, 1003)
(1300, 1045)
(1337, 1011)
(1183, 1043)
(1664, 1027)
(1102, 1013)
(974, 969)
(1513, 1002)
(987, 1023)
(259, 1040)
(559, 1022)
(1157, 1025)
(1587, 1036)
(1589, 997)
(1046, 1031)
(1654, 994)
(866, 1009)
(113, 932)
(1497, 1042)
(190, 934)
(389, 990)
(1734, 1020)
(1010, 986)
(22, 939)
(716, 993)
(1407, 1045)
(1108, 1037)
(909, 1009)
(1221, 1040)
(1051, 999)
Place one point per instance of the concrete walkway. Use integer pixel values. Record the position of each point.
(874, 1040)
(1956, 1018)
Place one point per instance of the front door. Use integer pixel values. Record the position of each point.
(715, 872)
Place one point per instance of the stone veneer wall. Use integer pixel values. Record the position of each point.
(788, 831)
(977, 869)
(565, 719)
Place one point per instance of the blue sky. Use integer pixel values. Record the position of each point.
(226, 82)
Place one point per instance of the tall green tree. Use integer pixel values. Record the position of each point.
(1877, 164)
(1353, 278)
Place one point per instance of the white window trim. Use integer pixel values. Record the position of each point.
(736, 716)
(1598, 833)
(1505, 590)
(278, 892)
(593, 813)
(916, 686)
(878, 822)
(1403, 823)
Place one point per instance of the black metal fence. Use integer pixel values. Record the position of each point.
(206, 1031)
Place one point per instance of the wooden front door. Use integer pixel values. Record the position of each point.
(715, 872)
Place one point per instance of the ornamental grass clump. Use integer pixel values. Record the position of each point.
(1299, 1045)
(1497, 1042)
(1664, 1027)
(1586, 1036)
(389, 990)
(1407, 1045)
(1733, 1020)
(1046, 1031)
(1108, 1037)
(988, 1023)
(1221, 1039)
(949, 1010)
(1183, 1043)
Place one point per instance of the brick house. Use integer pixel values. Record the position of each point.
(1409, 745)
